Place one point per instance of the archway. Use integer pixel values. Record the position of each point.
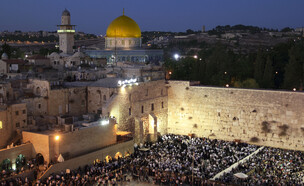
(39, 159)
(108, 158)
(20, 161)
(118, 155)
(38, 91)
(6, 164)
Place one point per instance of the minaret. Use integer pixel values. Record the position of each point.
(66, 33)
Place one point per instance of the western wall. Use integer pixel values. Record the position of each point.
(262, 117)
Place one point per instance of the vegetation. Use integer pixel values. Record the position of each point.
(281, 67)
(238, 28)
(11, 52)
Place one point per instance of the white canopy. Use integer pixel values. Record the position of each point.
(241, 175)
(60, 158)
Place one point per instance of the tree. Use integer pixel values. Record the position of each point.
(248, 83)
(6, 49)
(293, 71)
(189, 31)
(286, 29)
(268, 74)
(259, 67)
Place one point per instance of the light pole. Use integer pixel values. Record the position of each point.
(57, 138)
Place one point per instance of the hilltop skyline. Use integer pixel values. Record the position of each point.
(95, 16)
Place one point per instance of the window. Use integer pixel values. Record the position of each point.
(17, 124)
(152, 106)
(129, 42)
(1, 125)
(123, 42)
(17, 113)
(24, 121)
(104, 97)
(162, 104)
(39, 105)
(24, 112)
(142, 109)
(130, 111)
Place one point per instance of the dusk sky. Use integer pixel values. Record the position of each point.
(94, 16)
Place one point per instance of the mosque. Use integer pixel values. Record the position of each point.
(123, 43)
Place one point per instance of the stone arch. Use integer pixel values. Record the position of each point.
(118, 155)
(39, 159)
(38, 91)
(108, 158)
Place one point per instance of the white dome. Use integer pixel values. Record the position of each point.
(79, 55)
(54, 55)
(4, 56)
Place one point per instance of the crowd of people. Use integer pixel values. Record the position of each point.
(99, 173)
(182, 160)
(270, 167)
(16, 176)
(176, 158)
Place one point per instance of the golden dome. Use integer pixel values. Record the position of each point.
(123, 26)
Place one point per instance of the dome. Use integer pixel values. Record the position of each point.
(79, 55)
(54, 55)
(66, 13)
(123, 26)
(4, 56)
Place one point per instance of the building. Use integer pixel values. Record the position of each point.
(66, 33)
(11, 65)
(38, 60)
(123, 44)
(74, 140)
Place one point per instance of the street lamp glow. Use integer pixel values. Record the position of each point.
(57, 138)
(105, 122)
(294, 89)
(195, 56)
(176, 56)
(227, 85)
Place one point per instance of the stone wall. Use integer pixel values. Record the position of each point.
(39, 87)
(71, 144)
(88, 159)
(98, 97)
(6, 128)
(12, 153)
(36, 106)
(263, 117)
(40, 143)
(18, 114)
(67, 101)
(140, 101)
(11, 117)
